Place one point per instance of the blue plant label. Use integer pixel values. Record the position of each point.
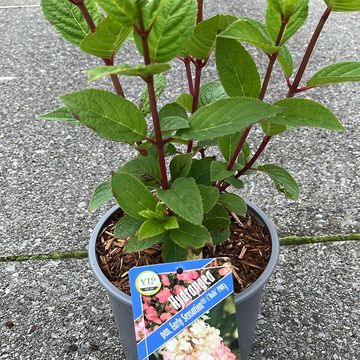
(185, 310)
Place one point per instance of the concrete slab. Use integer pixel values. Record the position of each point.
(11, 3)
(48, 171)
(309, 309)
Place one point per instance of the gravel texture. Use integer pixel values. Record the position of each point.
(310, 309)
(48, 171)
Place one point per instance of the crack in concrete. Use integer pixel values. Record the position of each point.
(82, 254)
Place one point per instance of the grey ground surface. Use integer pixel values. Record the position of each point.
(310, 309)
(48, 172)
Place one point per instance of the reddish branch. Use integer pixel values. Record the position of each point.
(109, 62)
(294, 87)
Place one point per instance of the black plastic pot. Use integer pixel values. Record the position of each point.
(247, 302)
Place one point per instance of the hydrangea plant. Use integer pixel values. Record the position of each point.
(173, 193)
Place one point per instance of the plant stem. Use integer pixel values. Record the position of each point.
(198, 69)
(263, 90)
(108, 62)
(308, 53)
(189, 75)
(153, 105)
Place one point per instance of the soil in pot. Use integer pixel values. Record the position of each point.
(249, 248)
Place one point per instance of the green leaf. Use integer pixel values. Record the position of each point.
(124, 69)
(184, 199)
(144, 168)
(190, 236)
(284, 182)
(251, 32)
(109, 115)
(61, 115)
(151, 11)
(171, 223)
(127, 226)
(211, 92)
(131, 194)
(304, 112)
(172, 252)
(233, 203)
(219, 171)
(173, 123)
(67, 19)
(202, 41)
(286, 61)
(171, 29)
(159, 84)
(236, 183)
(228, 145)
(226, 117)
(101, 195)
(272, 129)
(200, 171)
(343, 5)
(150, 228)
(122, 11)
(209, 195)
(134, 244)
(180, 166)
(186, 101)
(107, 40)
(337, 73)
(297, 18)
(172, 109)
(217, 221)
(237, 70)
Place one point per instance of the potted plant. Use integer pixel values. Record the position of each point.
(175, 201)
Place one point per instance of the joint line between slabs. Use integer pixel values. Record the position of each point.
(82, 254)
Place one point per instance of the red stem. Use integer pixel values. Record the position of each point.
(308, 53)
(189, 75)
(108, 62)
(239, 148)
(154, 109)
(199, 18)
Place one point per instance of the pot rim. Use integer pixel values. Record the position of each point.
(239, 298)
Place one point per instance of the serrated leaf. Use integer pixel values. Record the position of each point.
(150, 228)
(211, 92)
(144, 168)
(200, 171)
(180, 165)
(107, 40)
(172, 252)
(61, 115)
(286, 61)
(236, 183)
(251, 32)
(125, 69)
(134, 244)
(190, 236)
(171, 223)
(226, 117)
(184, 199)
(173, 123)
(172, 109)
(272, 129)
(228, 145)
(297, 18)
(337, 73)
(172, 28)
(217, 221)
(284, 182)
(186, 101)
(343, 5)
(67, 19)
(101, 195)
(233, 203)
(127, 226)
(202, 41)
(131, 194)
(109, 115)
(159, 84)
(236, 68)
(209, 195)
(304, 112)
(122, 11)
(219, 171)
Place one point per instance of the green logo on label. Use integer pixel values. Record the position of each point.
(148, 283)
